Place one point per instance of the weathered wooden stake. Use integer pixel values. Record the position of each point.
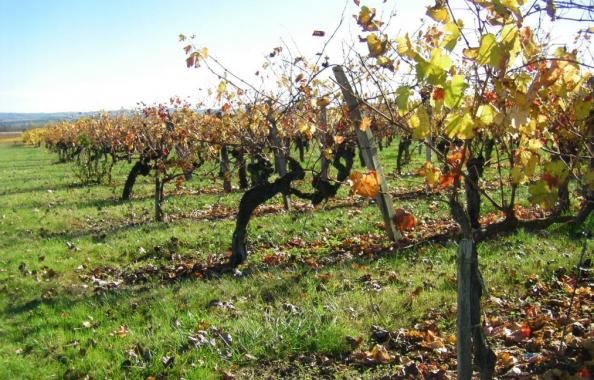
(463, 322)
(369, 153)
(280, 164)
(324, 163)
(158, 198)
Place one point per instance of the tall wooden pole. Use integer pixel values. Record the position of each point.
(369, 152)
(324, 163)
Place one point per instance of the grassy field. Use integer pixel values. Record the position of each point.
(314, 278)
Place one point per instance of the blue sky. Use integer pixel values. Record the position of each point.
(87, 55)
(67, 55)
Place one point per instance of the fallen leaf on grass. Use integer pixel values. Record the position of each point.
(377, 355)
(404, 220)
(122, 331)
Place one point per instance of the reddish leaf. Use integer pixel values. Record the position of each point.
(318, 33)
(551, 180)
(438, 94)
(584, 373)
(191, 61)
(403, 220)
(526, 331)
(446, 180)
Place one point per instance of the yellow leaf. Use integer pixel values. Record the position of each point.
(365, 123)
(459, 125)
(419, 123)
(439, 14)
(518, 176)
(470, 53)
(404, 47)
(434, 70)
(452, 34)
(486, 114)
(489, 53)
(509, 34)
(555, 172)
(386, 62)
(530, 167)
(541, 194)
(307, 130)
(365, 19)
(376, 46)
(323, 101)
(402, 95)
(221, 87)
(366, 184)
(582, 109)
(454, 91)
(534, 145)
(204, 53)
(430, 173)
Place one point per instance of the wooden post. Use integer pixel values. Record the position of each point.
(158, 198)
(463, 321)
(428, 149)
(425, 96)
(369, 153)
(324, 163)
(279, 159)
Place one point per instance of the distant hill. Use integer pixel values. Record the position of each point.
(10, 122)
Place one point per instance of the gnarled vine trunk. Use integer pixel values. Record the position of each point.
(265, 191)
(254, 198)
(224, 169)
(139, 168)
(239, 156)
(403, 152)
(473, 196)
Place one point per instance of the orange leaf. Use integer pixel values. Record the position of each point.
(438, 94)
(366, 184)
(457, 156)
(403, 220)
(365, 123)
(379, 354)
(338, 139)
(446, 180)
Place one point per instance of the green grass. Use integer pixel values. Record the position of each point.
(53, 324)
